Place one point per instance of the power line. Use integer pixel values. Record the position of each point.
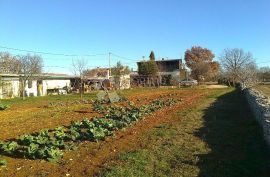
(49, 53)
(91, 66)
(54, 67)
(122, 57)
(70, 57)
(67, 55)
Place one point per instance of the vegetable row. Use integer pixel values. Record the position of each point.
(49, 144)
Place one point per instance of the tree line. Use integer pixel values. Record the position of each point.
(233, 67)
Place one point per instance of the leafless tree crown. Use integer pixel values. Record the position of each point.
(239, 67)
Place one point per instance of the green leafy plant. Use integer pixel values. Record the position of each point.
(76, 124)
(44, 133)
(41, 140)
(47, 144)
(9, 147)
(105, 123)
(98, 107)
(26, 139)
(32, 150)
(3, 107)
(59, 133)
(53, 154)
(74, 134)
(96, 133)
(3, 162)
(87, 123)
(41, 152)
(57, 143)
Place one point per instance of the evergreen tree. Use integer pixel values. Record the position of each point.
(152, 56)
(148, 68)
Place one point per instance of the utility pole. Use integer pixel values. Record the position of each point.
(110, 70)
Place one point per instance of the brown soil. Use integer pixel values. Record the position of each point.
(87, 160)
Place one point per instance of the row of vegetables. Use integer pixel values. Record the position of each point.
(49, 144)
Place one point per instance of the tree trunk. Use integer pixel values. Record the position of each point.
(23, 89)
(229, 83)
(233, 82)
(81, 90)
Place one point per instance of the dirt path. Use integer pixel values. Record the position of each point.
(90, 156)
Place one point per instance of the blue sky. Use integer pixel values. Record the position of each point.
(133, 28)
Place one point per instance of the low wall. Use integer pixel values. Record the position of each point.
(260, 106)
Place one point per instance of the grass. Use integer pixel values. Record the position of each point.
(50, 98)
(69, 97)
(216, 138)
(265, 89)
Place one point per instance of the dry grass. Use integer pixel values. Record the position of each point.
(265, 89)
(213, 138)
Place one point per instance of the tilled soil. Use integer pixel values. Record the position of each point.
(89, 157)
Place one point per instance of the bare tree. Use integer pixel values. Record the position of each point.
(30, 68)
(248, 75)
(264, 74)
(79, 67)
(238, 66)
(9, 63)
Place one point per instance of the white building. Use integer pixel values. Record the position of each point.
(11, 85)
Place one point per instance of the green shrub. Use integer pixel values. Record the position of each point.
(3, 107)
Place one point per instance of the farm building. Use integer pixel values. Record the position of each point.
(94, 78)
(11, 85)
(171, 70)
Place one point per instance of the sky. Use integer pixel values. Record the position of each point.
(131, 29)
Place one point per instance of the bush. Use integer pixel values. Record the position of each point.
(3, 107)
(148, 68)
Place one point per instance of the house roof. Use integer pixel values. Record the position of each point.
(163, 60)
(97, 72)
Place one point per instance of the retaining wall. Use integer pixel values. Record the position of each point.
(260, 106)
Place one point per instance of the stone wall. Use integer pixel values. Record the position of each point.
(260, 106)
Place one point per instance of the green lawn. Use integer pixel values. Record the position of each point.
(216, 138)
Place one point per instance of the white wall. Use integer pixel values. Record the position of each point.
(125, 82)
(16, 88)
(32, 90)
(47, 84)
(54, 84)
(13, 90)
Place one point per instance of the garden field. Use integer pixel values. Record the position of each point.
(149, 132)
